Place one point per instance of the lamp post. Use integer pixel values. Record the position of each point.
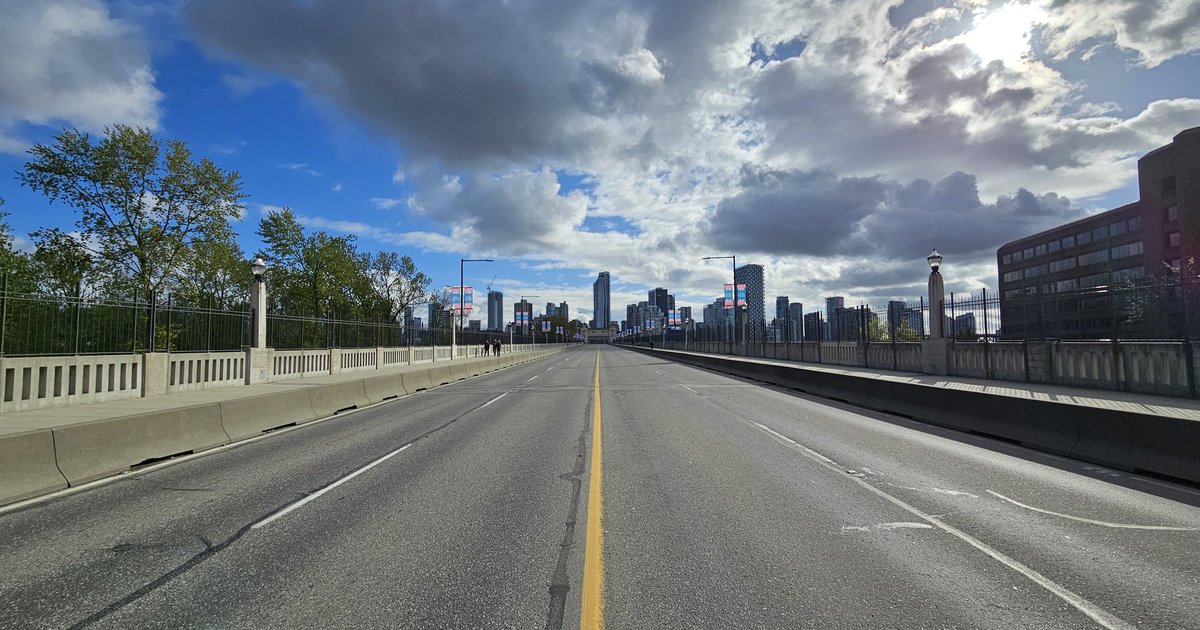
(462, 301)
(937, 295)
(735, 304)
(259, 299)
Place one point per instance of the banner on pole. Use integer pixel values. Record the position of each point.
(464, 301)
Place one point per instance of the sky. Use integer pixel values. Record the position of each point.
(834, 142)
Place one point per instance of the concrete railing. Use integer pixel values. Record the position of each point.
(1144, 367)
(38, 382)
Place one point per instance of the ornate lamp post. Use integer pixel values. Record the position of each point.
(258, 302)
(937, 295)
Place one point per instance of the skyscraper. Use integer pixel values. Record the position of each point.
(601, 304)
(658, 298)
(756, 311)
(796, 321)
(495, 306)
(833, 309)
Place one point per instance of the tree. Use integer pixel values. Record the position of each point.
(14, 265)
(142, 205)
(215, 275)
(316, 275)
(396, 283)
(64, 264)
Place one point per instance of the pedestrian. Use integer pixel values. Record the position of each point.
(487, 347)
(497, 347)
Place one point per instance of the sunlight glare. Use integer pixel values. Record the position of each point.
(1003, 33)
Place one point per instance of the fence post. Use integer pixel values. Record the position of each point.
(78, 316)
(3, 310)
(151, 321)
(133, 329)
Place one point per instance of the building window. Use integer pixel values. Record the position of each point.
(1062, 265)
(1067, 285)
(1094, 280)
(1035, 271)
(1083, 238)
(1100, 233)
(1092, 258)
(1016, 256)
(1128, 249)
(1039, 250)
(1129, 273)
(1007, 259)
(1054, 245)
(1116, 229)
(1068, 241)
(1171, 213)
(1014, 275)
(1135, 224)
(1173, 239)
(1028, 253)
(1012, 293)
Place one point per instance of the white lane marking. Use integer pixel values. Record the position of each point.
(690, 389)
(659, 373)
(550, 368)
(492, 400)
(534, 376)
(886, 527)
(953, 493)
(1164, 528)
(802, 447)
(1096, 613)
(302, 502)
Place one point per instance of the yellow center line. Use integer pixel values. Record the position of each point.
(592, 617)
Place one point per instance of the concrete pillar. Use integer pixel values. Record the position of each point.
(335, 360)
(937, 295)
(260, 365)
(156, 373)
(935, 356)
(258, 301)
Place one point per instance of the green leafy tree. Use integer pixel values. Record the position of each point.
(143, 204)
(316, 275)
(15, 266)
(215, 275)
(396, 283)
(64, 264)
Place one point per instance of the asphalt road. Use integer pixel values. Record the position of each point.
(726, 504)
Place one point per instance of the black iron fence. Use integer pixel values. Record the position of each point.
(39, 325)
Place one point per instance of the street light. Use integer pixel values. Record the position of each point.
(735, 304)
(936, 296)
(258, 301)
(258, 267)
(462, 300)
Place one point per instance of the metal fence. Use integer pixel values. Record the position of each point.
(40, 325)
(36, 325)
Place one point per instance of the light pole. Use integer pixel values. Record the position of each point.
(462, 300)
(735, 317)
(259, 299)
(937, 295)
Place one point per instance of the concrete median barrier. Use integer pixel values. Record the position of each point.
(92, 450)
(328, 399)
(417, 380)
(27, 465)
(1123, 439)
(385, 386)
(249, 417)
(440, 375)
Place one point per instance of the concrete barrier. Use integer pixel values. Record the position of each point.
(27, 465)
(385, 386)
(1122, 439)
(92, 450)
(331, 398)
(417, 380)
(248, 417)
(439, 374)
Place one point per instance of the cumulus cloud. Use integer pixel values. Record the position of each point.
(805, 132)
(71, 62)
